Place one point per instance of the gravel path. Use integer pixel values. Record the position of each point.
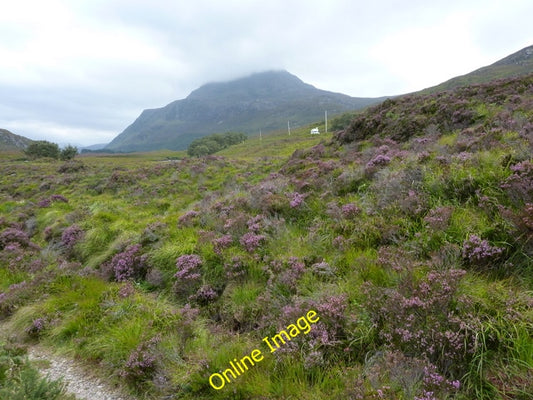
(79, 381)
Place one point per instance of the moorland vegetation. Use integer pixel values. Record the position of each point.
(409, 232)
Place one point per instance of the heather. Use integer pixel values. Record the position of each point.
(409, 232)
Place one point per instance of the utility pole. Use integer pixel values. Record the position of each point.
(289, 127)
(260, 136)
(326, 121)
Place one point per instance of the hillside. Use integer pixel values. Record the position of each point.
(514, 65)
(264, 101)
(10, 141)
(390, 260)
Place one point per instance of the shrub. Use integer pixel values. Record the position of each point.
(251, 241)
(438, 219)
(58, 197)
(71, 166)
(204, 295)
(350, 210)
(422, 318)
(297, 200)
(129, 264)
(42, 148)
(222, 243)
(46, 202)
(188, 218)
(188, 275)
(394, 375)
(70, 236)
(68, 153)
(142, 362)
(519, 185)
(14, 235)
(188, 267)
(478, 252)
(36, 327)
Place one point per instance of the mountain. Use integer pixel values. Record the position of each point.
(517, 64)
(93, 147)
(10, 141)
(263, 101)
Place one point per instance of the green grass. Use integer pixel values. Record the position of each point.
(223, 308)
(276, 144)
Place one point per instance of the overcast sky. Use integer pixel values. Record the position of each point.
(80, 72)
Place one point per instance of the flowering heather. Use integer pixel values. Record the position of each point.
(59, 198)
(323, 270)
(287, 275)
(423, 156)
(438, 219)
(421, 319)
(464, 156)
(128, 264)
(235, 269)
(350, 210)
(36, 327)
(222, 243)
(251, 241)
(479, 252)
(332, 310)
(71, 236)
(527, 218)
(14, 235)
(189, 313)
(17, 286)
(519, 186)
(204, 295)
(297, 200)
(126, 290)
(188, 267)
(315, 358)
(44, 203)
(187, 219)
(141, 363)
(378, 160)
(255, 224)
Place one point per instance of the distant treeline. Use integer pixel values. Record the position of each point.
(213, 143)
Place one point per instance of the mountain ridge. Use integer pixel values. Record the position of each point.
(10, 141)
(516, 64)
(262, 101)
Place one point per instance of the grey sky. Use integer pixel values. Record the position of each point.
(80, 72)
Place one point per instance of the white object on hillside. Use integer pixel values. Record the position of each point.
(315, 131)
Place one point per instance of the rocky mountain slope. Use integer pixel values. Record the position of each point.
(263, 101)
(10, 141)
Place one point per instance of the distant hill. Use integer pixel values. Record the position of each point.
(93, 147)
(10, 141)
(263, 101)
(517, 64)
